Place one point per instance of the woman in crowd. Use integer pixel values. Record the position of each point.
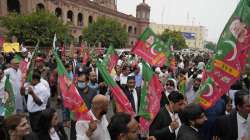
(50, 128)
(18, 128)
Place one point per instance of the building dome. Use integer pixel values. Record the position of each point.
(143, 5)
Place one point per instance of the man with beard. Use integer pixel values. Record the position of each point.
(167, 122)
(192, 88)
(124, 127)
(93, 81)
(87, 93)
(96, 128)
(193, 118)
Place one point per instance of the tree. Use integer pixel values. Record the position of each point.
(210, 45)
(177, 38)
(40, 25)
(105, 31)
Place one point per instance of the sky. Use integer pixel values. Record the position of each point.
(212, 14)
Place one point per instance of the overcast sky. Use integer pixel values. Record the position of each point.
(213, 14)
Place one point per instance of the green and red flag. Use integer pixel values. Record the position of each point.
(121, 100)
(71, 98)
(10, 102)
(230, 57)
(151, 48)
(150, 97)
(111, 58)
(85, 52)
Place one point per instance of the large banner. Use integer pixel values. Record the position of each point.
(11, 47)
(230, 58)
(151, 48)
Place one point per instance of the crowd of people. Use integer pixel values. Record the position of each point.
(40, 113)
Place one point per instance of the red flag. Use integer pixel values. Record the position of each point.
(111, 58)
(71, 98)
(230, 59)
(150, 97)
(1, 41)
(122, 102)
(151, 48)
(85, 52)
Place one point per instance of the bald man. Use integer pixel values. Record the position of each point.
(96, 129)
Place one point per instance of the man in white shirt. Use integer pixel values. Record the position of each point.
(124, 75)
(38, 96)
(96, 129)
(15, 79)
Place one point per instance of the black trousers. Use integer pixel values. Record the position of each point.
(73, 130)
(34, 120)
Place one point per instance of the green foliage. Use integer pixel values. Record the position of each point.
(106, 31)
(210, 45)
(177, 39)
(40, 25)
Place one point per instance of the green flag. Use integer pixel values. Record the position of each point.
(121, 100)
(147, 74)
(111, 58)
(10, 103)
(32, 63)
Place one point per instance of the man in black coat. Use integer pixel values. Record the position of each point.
(133, 94)
(167, 122)
(193, 118)
(234, 126)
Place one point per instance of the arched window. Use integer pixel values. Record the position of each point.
(70, 16)
(90, 19)
(58, 12)
(80, 19)
(135, 30)
(40, 7)
(130, 28)
(13, 6)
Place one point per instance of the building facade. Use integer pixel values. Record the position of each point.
(194, 35)
(81, 13)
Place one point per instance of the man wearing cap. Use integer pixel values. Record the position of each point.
(15, 79)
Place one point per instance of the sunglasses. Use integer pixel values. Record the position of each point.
(169, 84)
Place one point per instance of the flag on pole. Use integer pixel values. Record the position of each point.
(122, 102)
(231, 56)
(10, 103)
(85, 53)
(151, 48)
(150, 97)
(71, 98)
(54, 42)
(32, 63)
(111, 58)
